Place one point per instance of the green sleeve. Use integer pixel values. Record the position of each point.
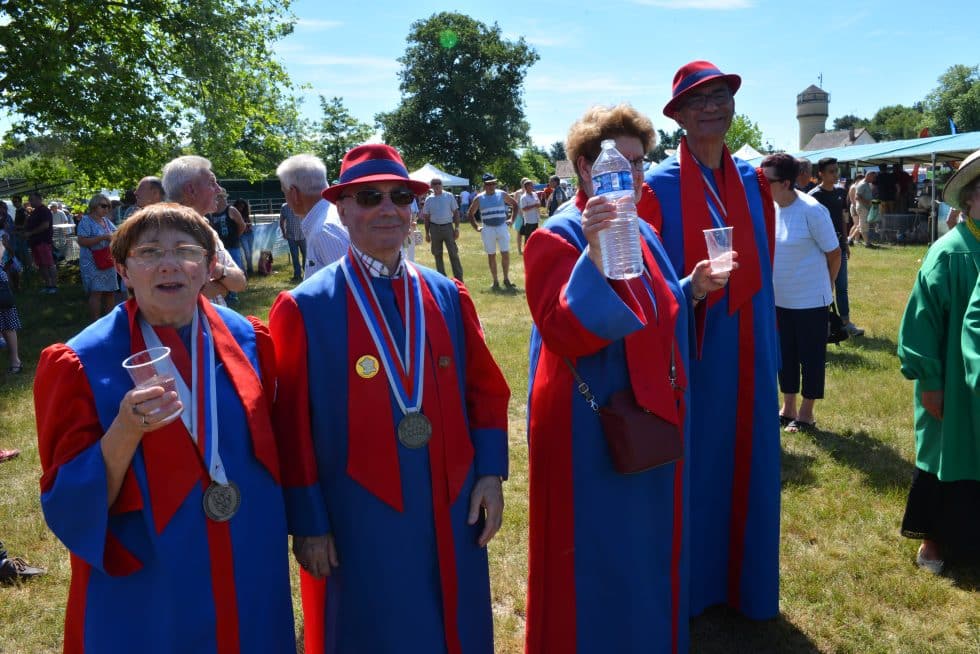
(924, 326)
(970, 343)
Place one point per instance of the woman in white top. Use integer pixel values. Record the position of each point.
(530, 212)
(807, 258)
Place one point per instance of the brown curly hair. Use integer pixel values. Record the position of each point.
(599, 123)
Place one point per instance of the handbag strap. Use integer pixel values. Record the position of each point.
(586, 392)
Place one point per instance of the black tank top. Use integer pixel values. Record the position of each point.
(226, 228)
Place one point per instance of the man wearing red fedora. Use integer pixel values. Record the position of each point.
(734, 459)
(390, 395)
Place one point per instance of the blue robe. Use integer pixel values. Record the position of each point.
(195, 586)
(608, 552)
(387, 594)
(750, 581)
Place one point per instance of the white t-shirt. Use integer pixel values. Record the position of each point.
(804, 236)
(533, 214)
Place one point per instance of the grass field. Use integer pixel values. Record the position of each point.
(848, 584)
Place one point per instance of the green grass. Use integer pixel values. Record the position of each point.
(849, 583)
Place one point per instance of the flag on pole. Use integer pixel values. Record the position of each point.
(952, 126)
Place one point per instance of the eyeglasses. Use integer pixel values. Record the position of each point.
(718, 98)
(371, 198)
(150, 255)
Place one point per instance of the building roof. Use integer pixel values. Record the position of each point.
(838, 139)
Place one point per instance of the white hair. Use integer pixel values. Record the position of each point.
(304, 171)
(98, 198)
(181, 171)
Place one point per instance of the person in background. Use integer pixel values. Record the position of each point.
(247, 237)
(291, 227)
(441, 217)
(58, 217)
(303, 178)
(176, 525)
(530, 207)
(807, 259)
(492, 206)
(804, 180)
(39, 230)
(834, 199)
(863, 197)
(229, 225)
(734, 459)
(937, 346)
(149, 191)
(9, 321)
(557, 194)
(189, 180)
(99, 277)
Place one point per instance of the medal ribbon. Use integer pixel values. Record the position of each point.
(204, 390)
(405, 374)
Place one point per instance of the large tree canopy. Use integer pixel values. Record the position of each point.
(743, 131)
(461, 86)
(957, 98)
(128, 83)
(338, 131)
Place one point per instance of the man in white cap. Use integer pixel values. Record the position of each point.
(492, 205)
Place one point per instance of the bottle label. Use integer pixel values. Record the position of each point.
(612, 182)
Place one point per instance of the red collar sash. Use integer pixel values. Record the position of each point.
(732, 208)
(174, 465)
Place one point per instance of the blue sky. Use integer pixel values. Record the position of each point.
(871, 54)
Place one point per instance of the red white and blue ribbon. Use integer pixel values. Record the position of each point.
(404, 368)
(719, 213)
(200, 400)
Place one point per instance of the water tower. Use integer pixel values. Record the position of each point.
(812, 111)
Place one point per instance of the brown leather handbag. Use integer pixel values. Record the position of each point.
(638, 440)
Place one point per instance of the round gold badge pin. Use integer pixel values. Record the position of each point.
(367, 366)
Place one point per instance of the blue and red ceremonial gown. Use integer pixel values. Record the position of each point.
(412, 577)
(608, 552)
(152, 573)
(735, 455)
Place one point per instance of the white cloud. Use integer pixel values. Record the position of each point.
(697, 4)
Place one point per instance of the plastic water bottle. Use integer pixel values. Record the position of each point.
(622, 257)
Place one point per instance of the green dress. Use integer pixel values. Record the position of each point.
(929, 347)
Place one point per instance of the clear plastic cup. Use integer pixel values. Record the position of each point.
(151, 368)
(719, 242)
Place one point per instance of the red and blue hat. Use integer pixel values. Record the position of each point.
(375, 162)
(694, 74)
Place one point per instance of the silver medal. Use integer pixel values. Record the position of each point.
(414, 430)
(221, 501)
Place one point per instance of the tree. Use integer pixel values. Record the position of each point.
(849, 121)
(338, 131)
(743, 131)
(128, 83)
(666, 142)
(461, 84)
(897, 122)
(557, 152)
(957, 98)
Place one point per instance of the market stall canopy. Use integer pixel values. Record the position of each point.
(951, 147)
(428, 172)
(747, 152)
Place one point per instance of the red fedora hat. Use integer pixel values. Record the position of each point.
(692, 75)
(375, 162)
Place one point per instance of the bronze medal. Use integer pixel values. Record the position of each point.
(221, 501)
(414, 430)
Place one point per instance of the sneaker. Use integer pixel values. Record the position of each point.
(7, 455)
(853, 330)
(18, 568)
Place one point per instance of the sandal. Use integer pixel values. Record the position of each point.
(801, 426)
(15, 370)
(7, 455)
(784, 420)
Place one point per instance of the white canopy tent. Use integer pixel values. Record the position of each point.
(747, 152)
(428, 172)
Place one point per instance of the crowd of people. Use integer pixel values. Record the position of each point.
(389, 477)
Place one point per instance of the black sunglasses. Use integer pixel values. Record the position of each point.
(371, 198)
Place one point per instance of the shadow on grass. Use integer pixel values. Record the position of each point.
(965, 576)
(883, 467)
(721, 630)
(796, 471)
